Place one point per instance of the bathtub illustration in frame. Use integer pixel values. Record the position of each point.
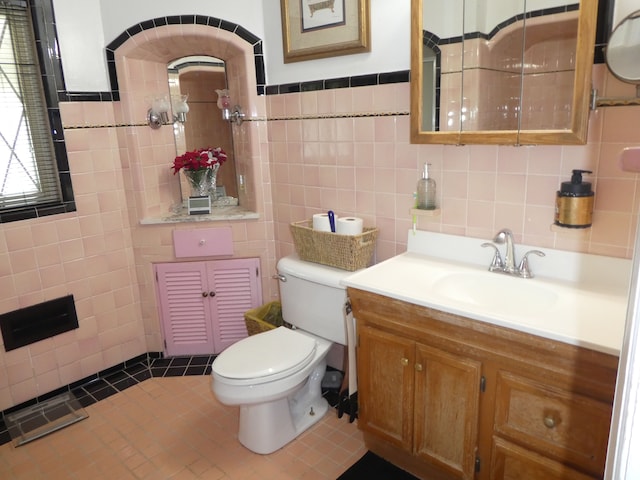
(324, 28)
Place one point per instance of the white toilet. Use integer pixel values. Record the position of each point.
(275, 376)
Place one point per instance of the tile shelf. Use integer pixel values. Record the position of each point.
(425, 213)
(217, 214)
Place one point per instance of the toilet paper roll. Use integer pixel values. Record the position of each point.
(349, 226)
(321, 222)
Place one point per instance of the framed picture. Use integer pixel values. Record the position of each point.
(324, 28)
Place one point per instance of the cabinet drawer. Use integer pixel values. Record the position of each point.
(202, 242)
(558, 423)
(510, 462)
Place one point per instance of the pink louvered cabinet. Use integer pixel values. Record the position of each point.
(202, 304)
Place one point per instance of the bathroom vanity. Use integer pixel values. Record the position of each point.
(453, 386)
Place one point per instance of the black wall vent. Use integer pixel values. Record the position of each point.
(35, 323)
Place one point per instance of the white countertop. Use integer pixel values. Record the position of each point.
(575, 298)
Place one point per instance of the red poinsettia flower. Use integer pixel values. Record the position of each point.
(199, 159)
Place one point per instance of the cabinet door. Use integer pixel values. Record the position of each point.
(234, 289)
(446, 410)
(385, 385)
(183, 296)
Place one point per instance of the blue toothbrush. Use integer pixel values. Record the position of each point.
(332, 220)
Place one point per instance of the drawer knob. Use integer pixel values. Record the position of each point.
(404, 362)
(418, 367)
(549, 422)
(202, 242)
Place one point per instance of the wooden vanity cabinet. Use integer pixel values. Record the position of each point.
(447, 397)
(403, 382)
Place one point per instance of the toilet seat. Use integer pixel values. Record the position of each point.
(265, 357)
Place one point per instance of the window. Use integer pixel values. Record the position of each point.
(30, 177)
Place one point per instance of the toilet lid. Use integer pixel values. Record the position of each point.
(266, 354)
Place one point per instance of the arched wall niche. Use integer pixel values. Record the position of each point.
(140, 70)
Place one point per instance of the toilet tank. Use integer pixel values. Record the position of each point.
(312, 298)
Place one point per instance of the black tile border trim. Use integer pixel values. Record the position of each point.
(110, 381)
(114, 94)
(127, 374)
(605, 15)
(373, 79)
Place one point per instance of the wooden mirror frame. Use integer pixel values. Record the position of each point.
(575, 135)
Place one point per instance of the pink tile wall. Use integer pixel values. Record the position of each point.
(100, 253)
(480, 188)
(362, 166)
(87, 253)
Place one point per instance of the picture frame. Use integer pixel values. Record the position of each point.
(314, 29)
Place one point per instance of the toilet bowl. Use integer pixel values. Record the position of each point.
(275, 377)
(278, 403)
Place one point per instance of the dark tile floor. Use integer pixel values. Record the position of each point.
(116, 379)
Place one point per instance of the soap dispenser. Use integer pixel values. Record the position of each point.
(574, 202)
(426, 191)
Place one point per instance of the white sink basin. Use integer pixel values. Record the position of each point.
(495, 291)
(577, 312)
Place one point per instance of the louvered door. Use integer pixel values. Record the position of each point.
(236, 286)
(202, 304)
(183, 294)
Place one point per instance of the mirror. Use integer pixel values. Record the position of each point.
(199, 78)
(504, 74)
(623, 50)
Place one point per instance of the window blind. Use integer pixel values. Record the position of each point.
(28, 173)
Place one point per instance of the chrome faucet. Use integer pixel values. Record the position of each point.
(506, 236)
(508, 265)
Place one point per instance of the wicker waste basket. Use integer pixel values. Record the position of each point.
(348, 252)
(266, 317)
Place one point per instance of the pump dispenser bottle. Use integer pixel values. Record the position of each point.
(426, 191)
(574, 202)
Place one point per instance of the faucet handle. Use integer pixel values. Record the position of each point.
(523, 269)
(496, 264)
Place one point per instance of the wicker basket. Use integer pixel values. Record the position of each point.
(266, 317)
(348, 252)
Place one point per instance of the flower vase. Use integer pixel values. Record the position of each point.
(199, 181)
(213, 177)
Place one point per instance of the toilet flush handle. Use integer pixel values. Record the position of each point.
(280, 277)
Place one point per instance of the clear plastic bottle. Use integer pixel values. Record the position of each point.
(426, 191)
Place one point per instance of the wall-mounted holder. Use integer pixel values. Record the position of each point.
(234, 115)
(158, 113)
(419, 212)
(621, 56)
(156, 119)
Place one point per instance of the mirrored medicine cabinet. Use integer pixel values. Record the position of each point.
(485, 72)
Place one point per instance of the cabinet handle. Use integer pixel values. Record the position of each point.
(205, 294)
(549, 422)
(418, 367)
(404, 361)
(212, 294)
